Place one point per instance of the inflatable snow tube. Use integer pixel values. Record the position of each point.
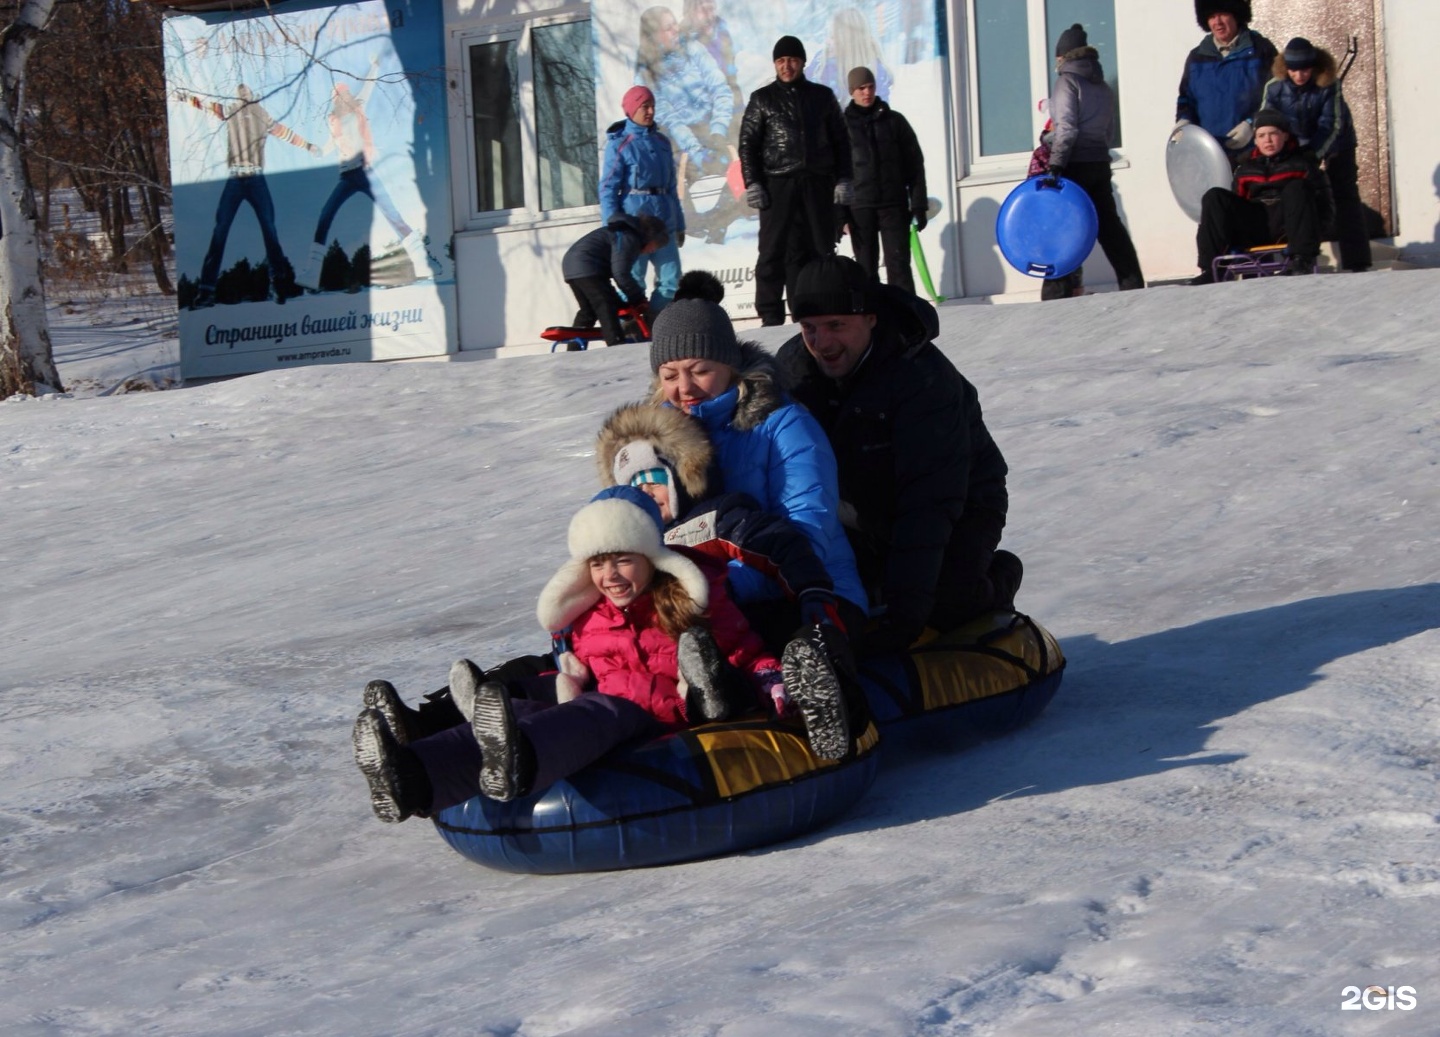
(702, 792)
(984, 679)
(724, 788)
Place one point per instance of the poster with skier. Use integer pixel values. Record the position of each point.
(312, 213)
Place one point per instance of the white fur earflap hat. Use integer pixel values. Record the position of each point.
(618, 519)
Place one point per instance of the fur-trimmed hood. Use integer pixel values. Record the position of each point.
(760, 393)
(1326, 69)
(675, 437)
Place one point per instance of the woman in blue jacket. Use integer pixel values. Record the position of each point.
(766, 446)
(638, 179)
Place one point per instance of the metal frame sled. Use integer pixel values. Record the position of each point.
(1261, 261)
(634, 324)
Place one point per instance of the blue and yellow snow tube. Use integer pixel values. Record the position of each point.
(986, 678)
(723, 788)
(705, 791)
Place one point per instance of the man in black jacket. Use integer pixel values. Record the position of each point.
(795, 158)
(922, 483)
(889, 183)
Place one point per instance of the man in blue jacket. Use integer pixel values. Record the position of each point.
(1224, 79)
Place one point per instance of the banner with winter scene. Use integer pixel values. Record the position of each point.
(311, 195)
(703, 58)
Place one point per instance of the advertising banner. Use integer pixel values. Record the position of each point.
(311, 199)
(703, 59)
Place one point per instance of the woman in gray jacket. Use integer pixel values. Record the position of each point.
(1082, 109)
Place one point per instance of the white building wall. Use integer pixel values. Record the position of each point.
(1410, 41)
(509, 283)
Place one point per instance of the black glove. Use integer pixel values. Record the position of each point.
(718, 142)
(921, 218)
(1056, 172)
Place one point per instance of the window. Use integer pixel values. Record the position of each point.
(539, 76)
(1012, 49)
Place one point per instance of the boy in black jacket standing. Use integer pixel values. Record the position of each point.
(889, 183)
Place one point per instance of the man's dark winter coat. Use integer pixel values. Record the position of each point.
(889, 165)
(913, 452)
(793, 128)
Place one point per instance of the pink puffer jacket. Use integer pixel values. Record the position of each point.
(632, 658)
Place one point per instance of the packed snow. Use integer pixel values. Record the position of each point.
(1225, 823)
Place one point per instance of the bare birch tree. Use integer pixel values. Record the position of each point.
(27, 360)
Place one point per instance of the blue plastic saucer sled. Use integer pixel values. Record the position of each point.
(1046, 227)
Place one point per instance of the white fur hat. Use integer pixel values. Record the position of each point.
(618, 519)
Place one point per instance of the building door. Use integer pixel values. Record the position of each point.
(1333, 24)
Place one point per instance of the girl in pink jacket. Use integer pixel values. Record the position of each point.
(632, 620)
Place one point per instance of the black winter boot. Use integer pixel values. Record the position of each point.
(404, 723)
(1006, 572)
(508, 769)
(712, 687)
(399, 787)
(812, 684)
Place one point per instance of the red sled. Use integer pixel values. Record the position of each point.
(634, 324)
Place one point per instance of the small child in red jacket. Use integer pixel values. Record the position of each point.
(622, 604)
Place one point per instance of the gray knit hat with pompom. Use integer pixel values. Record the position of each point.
(693, 329)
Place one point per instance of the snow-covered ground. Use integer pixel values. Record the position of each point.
(1226, 500)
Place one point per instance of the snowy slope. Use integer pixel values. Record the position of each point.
(1225, 500)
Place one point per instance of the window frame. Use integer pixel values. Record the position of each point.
(998, 168)
(518, 28)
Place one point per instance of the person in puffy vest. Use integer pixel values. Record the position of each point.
(1306, 87)
(888, 184)
(1082, 114)
(1224, 78)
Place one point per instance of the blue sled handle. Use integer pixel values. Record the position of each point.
(1040, 269)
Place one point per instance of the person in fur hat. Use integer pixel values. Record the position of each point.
(623, 605)
(1306, 87)
(1082, 111)
(1224, 78)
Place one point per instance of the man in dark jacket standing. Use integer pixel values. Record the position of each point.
(795, 158)
(889, 182)
(922, 483)
(1280, 195)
